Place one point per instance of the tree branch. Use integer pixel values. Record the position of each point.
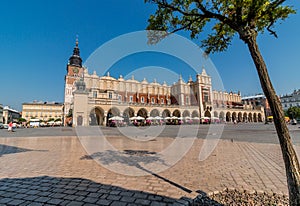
(219, 17)
(164, 4)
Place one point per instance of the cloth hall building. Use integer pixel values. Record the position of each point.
(94, 99)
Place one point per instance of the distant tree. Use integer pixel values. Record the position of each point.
(22, 120)
(293, 112)
(246, 18)
(50, 119)
(57, 120)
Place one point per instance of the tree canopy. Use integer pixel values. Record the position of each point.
(226, 18)
(293, 112)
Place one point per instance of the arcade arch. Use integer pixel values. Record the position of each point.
(166, 113)
(195, 113)
(176, 113)
(143, 113)
(96, 116)
(154, 113)
(186, 113)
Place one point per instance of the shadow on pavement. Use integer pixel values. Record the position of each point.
(133, 158)
(6, 149)
(45, 190)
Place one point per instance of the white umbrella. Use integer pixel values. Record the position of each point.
(187, 117)
(195, 118)
(167, 117)
(158, 118)
(132, 118)
(140, 118)
(150, 118)
(174, 117)
(137, 118)
(116, 118)
(205, 118)
(215, 118)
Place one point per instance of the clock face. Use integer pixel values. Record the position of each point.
(75, 70)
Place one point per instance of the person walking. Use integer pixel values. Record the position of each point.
(10, 126)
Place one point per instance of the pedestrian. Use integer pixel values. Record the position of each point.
(10, 125)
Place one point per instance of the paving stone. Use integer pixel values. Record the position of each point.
(154, 198)
(140, 195)
(36, 204)
(32, 192)
(83, 193)
(90, 200)
(65, 202)
(9, 194)
(128, 199)
(117, 203)
(155, 203)
(70, 197)
(94, 194)
(75, 203)
(16, 202)
(103, 202)
(20, 196)
(44, 194)
(42, 199)
(115, 192)
(127, 193)
(55, 201)
(142, 201)
(31, 197)
(5, 200)
(58, 195)
(70, 192)
(113, 197)
(91, 189)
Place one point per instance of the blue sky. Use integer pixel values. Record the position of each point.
(37, 38)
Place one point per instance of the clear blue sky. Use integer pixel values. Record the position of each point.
(37, 38)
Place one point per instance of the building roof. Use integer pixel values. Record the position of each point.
(254, 97)
(10, 109)
(42, 103)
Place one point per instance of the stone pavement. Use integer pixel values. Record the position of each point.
(58, 171)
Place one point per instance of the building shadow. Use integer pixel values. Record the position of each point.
(46, 190)
(7, 149)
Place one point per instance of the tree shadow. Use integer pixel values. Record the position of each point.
(134, 158)
(7, 149)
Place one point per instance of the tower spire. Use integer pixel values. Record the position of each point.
(75, 59)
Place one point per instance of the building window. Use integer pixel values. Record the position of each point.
(152, 100)
(142, 100)
(110, 95)
(162, 101)
(120, 98)
(130, 99)
(94, 94)
(206, 97)
(187, 101)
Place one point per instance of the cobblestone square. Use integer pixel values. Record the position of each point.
(55, 170)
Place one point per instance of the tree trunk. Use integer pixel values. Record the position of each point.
(289, 155)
